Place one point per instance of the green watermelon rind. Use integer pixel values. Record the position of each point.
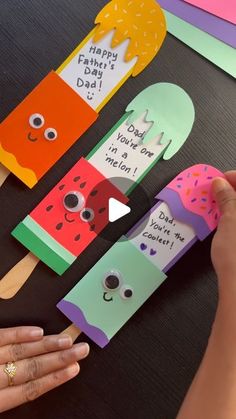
(42, 245)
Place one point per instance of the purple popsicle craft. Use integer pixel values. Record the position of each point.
(132, 269)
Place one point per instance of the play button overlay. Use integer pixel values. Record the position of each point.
(117, 210)
(120, 217)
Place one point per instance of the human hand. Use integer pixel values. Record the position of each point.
(42, 363)
(223, 251)
(212, 393)
(224, 242)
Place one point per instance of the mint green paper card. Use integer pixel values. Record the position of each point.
(211, 48)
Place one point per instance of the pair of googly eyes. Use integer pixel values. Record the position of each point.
(113, 281)
(37, 121)
(74, 202)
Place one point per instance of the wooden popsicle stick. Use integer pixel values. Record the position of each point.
(12, 282)
(4, 172)
(73, 331)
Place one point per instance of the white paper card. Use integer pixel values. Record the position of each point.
(123, 155)
(97, 69)
(161, 238)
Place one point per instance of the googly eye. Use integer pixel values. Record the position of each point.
(74, 201)
(112, 280)
(36, 120)
(87, 215)
(50, 134)
(126, 292)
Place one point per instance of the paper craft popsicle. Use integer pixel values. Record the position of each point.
(156, 123)
(63, 106)
(126, 276)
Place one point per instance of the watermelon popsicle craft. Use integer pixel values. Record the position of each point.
(126, 276)
(49, 232)
(126, 38)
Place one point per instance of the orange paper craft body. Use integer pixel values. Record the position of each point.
(28, 150)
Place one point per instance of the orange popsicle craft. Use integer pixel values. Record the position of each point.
(127, 36)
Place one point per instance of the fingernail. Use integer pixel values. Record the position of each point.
(36, 333)
(82, 349)
(64, 341)
(73, 370)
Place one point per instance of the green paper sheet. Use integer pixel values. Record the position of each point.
(211, 48)
(43, 246)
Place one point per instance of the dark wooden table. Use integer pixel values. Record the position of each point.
(146, 369)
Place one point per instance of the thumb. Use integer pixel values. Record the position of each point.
(225, 195)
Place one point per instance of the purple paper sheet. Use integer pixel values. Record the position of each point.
(219, 28)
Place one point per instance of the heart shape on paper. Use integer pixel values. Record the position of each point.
(153, 252)
(143, 247)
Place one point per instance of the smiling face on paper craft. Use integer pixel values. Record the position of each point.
(76, 210)
(111, 292)
(113, 286)
(40, 130)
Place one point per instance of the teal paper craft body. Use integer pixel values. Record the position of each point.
(110, 309)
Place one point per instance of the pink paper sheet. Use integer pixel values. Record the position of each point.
(207, 22)
(224, 9)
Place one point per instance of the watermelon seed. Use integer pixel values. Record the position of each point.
(61, 187)
(59, 226)
(102, 210)
(49, 208)
(82, 185)
(77, 238)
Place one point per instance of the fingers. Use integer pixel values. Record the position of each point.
(20, 334)
(18, 351)
(225, 195)
(231, 177)
(15, 396)
(37, 367)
